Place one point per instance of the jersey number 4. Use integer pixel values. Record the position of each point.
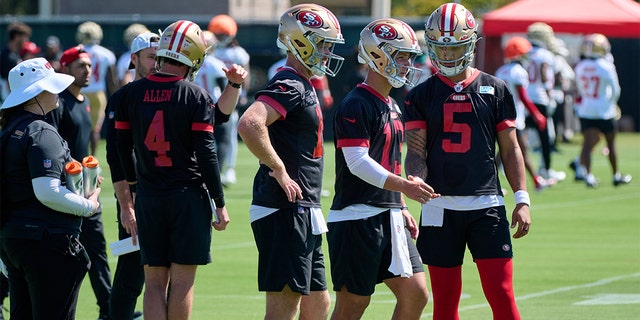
(154, 140)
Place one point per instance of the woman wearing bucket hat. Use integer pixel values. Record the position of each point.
(41, 218)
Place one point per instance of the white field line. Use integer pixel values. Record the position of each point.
(552, 291)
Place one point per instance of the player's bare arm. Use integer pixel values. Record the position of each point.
(513, 163)
(415, 163)
(252, 127)
(236, 75)
(127, 212)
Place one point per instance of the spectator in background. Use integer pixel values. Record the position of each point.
(370, 227)
(128, 279)
(125, 73)
(104, 78)
(72, 119)
(53, 52)
(283, 128)
(597, 106)
(41, 217)
(17, 34)
(229, 51)
(29, 50)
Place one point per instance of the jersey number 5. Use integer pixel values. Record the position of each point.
(154, 140)
(450, 109)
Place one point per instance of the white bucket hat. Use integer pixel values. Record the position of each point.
(30, 77)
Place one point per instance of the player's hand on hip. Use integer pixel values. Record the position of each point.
(290, 187)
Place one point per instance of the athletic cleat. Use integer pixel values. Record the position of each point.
(542, 183)
(623, 179)
(557, 175)
(591, 181)
(575, 166)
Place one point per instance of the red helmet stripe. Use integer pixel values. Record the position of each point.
(447, 24)
(179, 35)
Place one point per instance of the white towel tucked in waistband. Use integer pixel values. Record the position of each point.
(318, 225)
(400, 260)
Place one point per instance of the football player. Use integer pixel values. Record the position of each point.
(169, 120)
(370, 227)
(283, 128)
(596, 106)
(454, 120)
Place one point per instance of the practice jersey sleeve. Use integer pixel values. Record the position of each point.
(47, 153)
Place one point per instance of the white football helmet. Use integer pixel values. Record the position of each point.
(381, 41)
(595, 46)
(89, 33)
(451, 34)
(183, 41)
(310, 32)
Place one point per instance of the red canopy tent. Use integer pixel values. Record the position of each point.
(619, 20)
(613, 18)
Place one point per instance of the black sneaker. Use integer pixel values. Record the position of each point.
(574, 166)
(624, 179)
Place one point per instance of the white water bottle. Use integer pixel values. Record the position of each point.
(90, 172)
(75, 181)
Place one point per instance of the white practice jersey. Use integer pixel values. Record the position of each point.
(598, 89)
(123, 65)
(515, 75)
(206, 78)
(537, 90)
(101, 59)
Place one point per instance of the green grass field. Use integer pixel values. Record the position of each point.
(581, 259)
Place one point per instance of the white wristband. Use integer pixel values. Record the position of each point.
(522, 196)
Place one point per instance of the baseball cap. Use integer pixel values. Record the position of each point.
(29, 47)
(73, 54)
(30, 77)
(143, 41)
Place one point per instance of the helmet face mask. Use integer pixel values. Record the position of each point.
(310, 32)
(184, 42)
(450, 33)
(389, 47)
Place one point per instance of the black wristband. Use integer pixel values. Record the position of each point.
(219, 202)
(235, 85)
(404, 208)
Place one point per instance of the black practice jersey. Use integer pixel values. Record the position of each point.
(72, 118)
(367, 119)
(34, 149)
(462, 122)
(169, 123)
(117, 174)
(296, 138)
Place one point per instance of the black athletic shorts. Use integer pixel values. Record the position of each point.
(360, 253)
(288, 253)
(485, 231)
(174, 227)
(604, 125)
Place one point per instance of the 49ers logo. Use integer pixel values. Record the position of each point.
(310, 19)
(385, 31)
(471, 22)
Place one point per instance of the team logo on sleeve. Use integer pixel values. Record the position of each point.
(385, 31)
(46, 163)
(310, 19)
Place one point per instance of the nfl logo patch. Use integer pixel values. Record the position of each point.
(46, 163)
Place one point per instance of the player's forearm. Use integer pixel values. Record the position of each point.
(228, 99)
(256, 138)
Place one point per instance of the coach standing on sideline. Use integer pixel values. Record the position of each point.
(41, 218)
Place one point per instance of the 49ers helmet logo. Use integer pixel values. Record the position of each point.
(385, 31)
(310, 19)
(471, 22)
